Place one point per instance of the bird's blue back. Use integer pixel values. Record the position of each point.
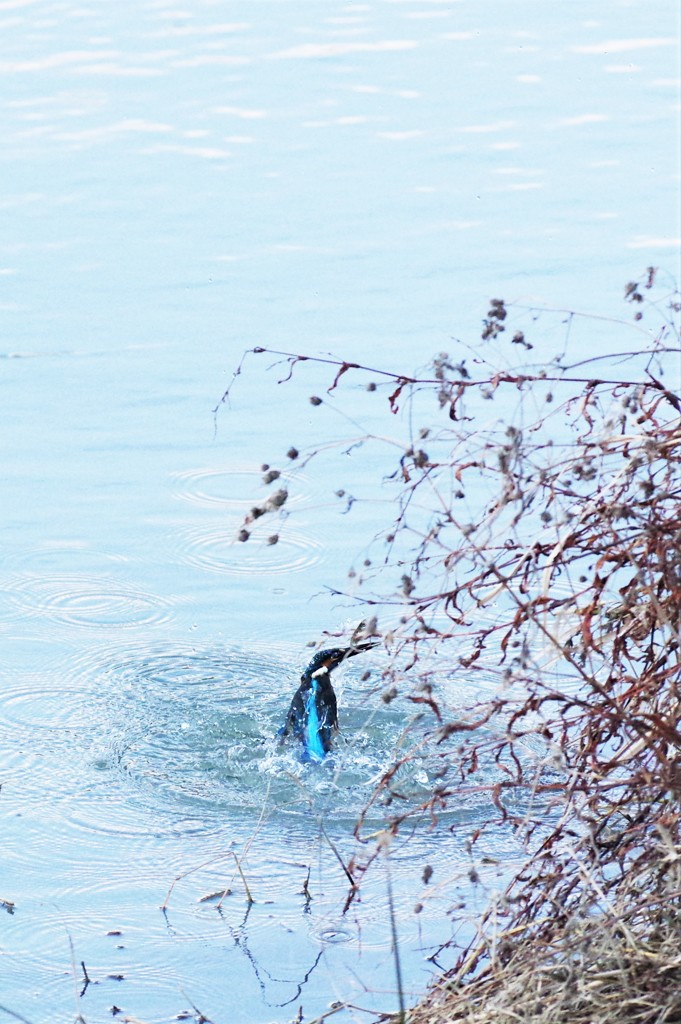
(313, 740)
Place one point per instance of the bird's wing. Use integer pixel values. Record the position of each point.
(331, 709)
(295, 719)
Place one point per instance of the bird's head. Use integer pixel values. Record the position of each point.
(326, 661)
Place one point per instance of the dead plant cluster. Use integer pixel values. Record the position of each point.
(536, 542)
(591, 972)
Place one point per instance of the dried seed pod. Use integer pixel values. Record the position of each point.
(278, 499)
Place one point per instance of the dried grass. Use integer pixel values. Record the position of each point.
(594, 972)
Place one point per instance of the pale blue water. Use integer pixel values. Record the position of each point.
(180, 184)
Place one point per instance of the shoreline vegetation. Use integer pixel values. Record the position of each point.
(532, 536)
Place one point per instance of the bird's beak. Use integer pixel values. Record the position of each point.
(366, 645)
(350, 652)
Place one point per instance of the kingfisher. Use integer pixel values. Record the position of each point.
(313, 715)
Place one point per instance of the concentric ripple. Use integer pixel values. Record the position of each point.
(179, 737)
(188, 734)
(237, 488)
(45, 708)
(219, 551)
(84, 601)
(49, 558)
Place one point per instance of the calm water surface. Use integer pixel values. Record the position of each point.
(180, 183)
